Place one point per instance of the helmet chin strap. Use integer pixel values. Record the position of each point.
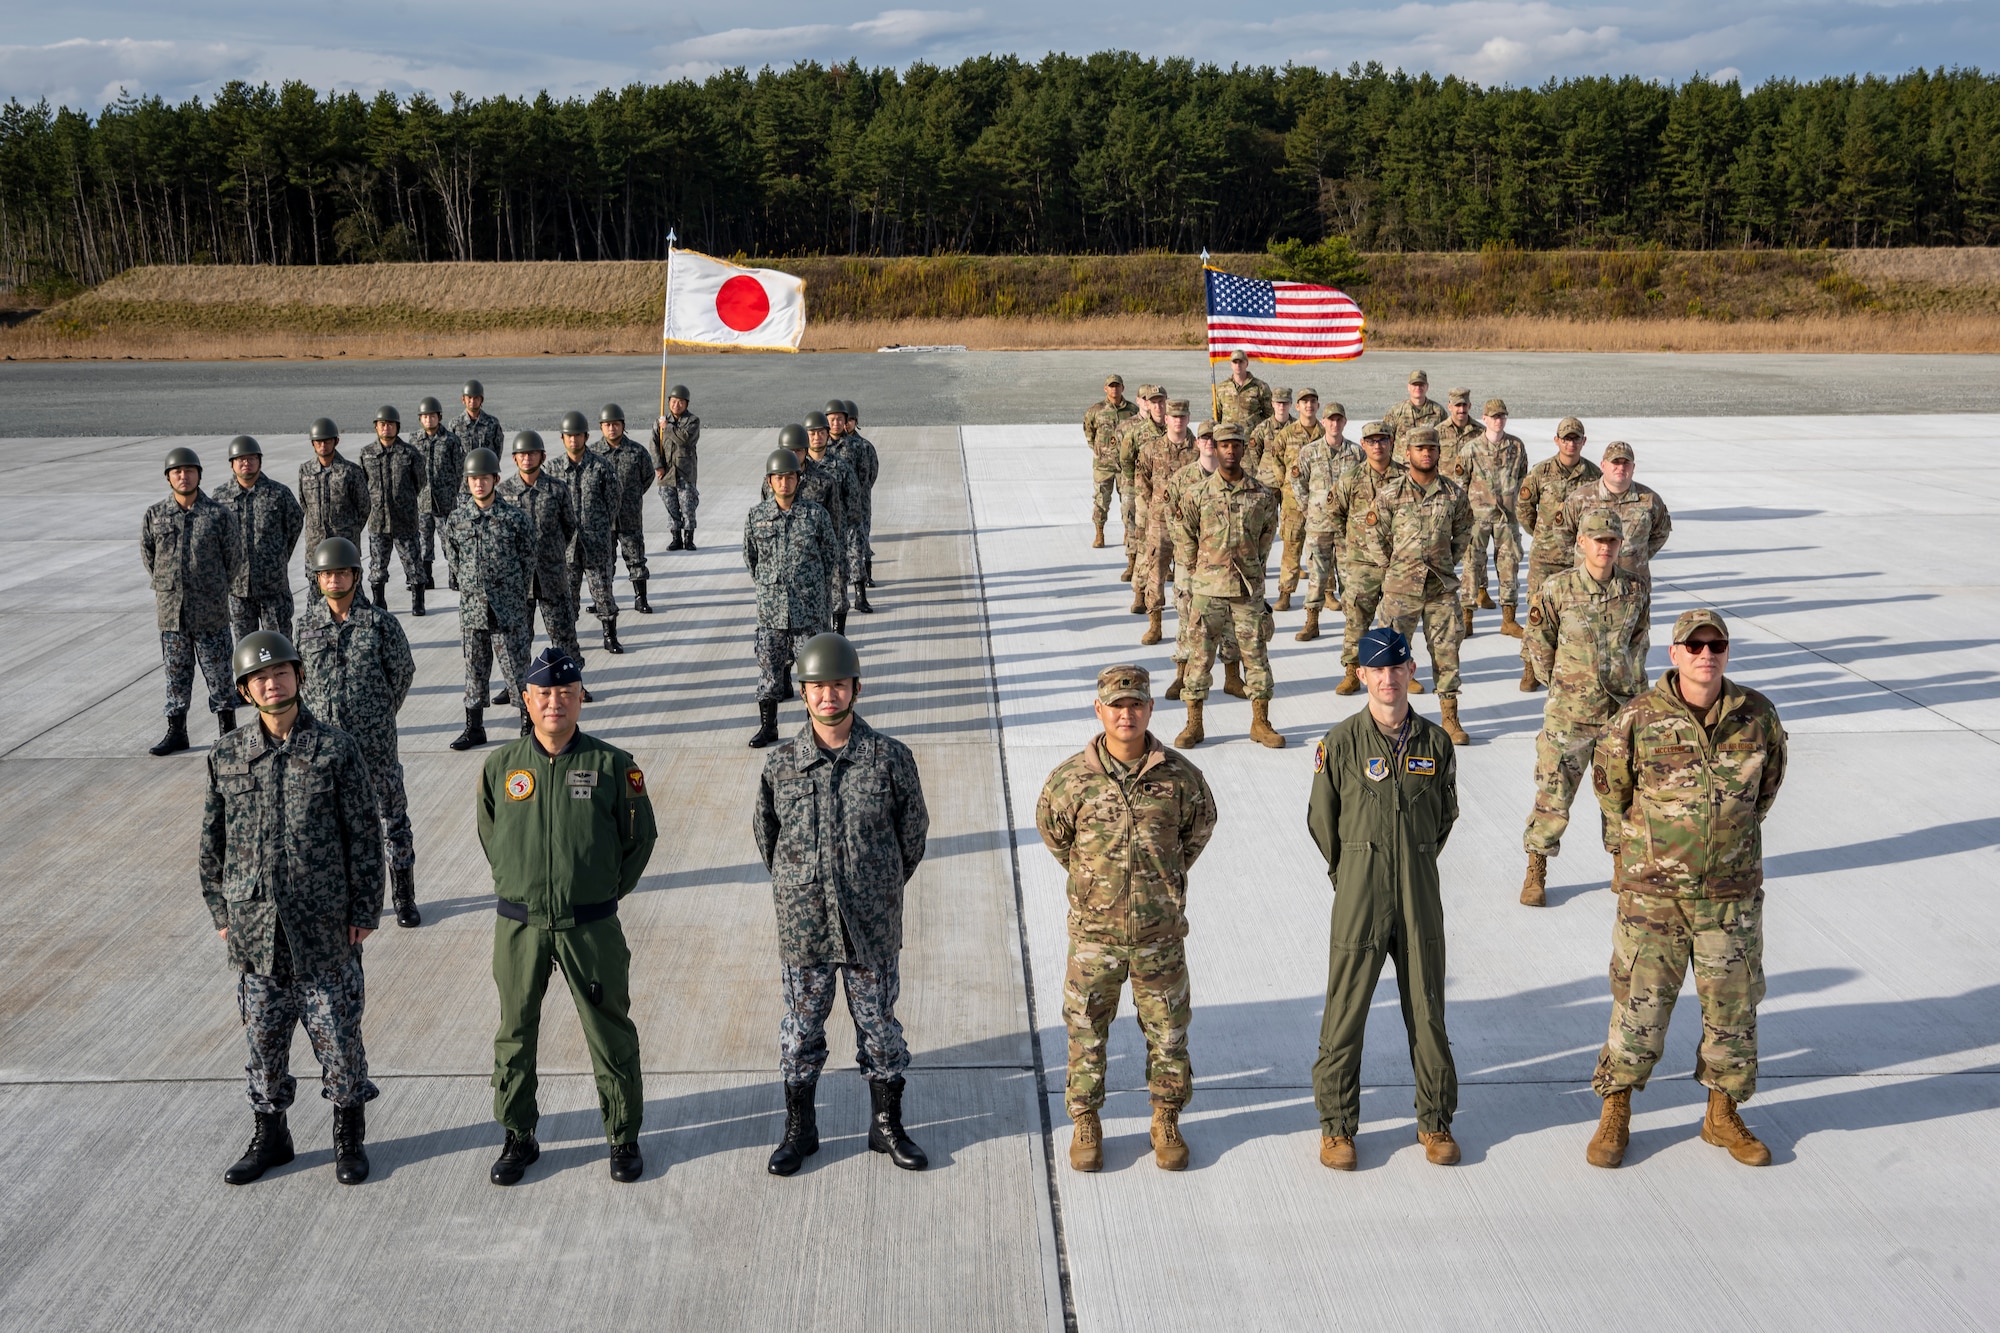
(837, 718)
(271, 709)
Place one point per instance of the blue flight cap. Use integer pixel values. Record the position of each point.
(1383, 647)
(556, 667)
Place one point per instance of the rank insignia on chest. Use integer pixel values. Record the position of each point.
(1319, 757)
(520, 785)
(1378, 768)
(1422, 767)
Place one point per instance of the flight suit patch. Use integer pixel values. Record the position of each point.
(1378, 768)
(1426, 767)
(520, 785)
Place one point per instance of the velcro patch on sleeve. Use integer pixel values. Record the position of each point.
(1599, 780)
(636, 780)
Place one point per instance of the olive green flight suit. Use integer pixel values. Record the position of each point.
(1380, 819)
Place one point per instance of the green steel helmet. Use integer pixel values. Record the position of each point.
(611, 412)
(243, 446)
(266, 647)
(430, 407)
(835, 405)
(482, 463)
(181, 457)
(793, 438)
(386, 412)
(472, 389)
(575, 423)
(528, 442)
(324, 429)
(334, 553)
(680, 391)
(780, 462)
(828, 657)
(816, 421)
(849, 410)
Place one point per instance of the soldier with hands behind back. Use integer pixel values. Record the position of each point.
(593, 551)
(492, 546)
(1430, 525)
(1101, 421)
(552, 515)
(333, 492)
(676, 442)
(856, 450)
(794, 560)
(268, 524)
(444, 482)
(1496, 464)
(475, 427)
(1547, 486)
(191, 549)
(396, 481)
(634, 468)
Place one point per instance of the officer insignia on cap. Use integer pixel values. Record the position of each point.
(1378, 768)
(637, 781)
(1319, 758)
(263, 654)
(1427, 767)
(520, 785)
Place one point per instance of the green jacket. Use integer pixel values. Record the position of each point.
(1380, 825)
(564, 833)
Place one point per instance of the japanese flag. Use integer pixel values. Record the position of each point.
(717, 304)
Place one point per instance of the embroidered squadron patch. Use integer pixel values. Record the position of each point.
(520, 785)
(1534, 615)
(637, 781)
(1427, 767)
(1378, 768)
(1598, 780)
(1319, 758)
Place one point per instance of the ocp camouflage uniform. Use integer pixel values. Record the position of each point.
(484, 433)
(1587, 642)
(335, 500)
(493, 550)
(444, 482)
(1454, 441)
(1364, 549)
(1133, 437)
(1406, 416)
(1162, 458)
(858, 454)
(794, 560)
(357, 673)
(1320, 464)
(1247, 404)
(1539, 510)
(1127, 836)
(593, 550)
(674, 455)
(1642, 518)
(1689, 795)
(634, 468)
(191, 555)
(1429, 529)
(1493, 476)
(1281, 462)
(1222, 538)
(552, 517)
(291, 857)
(1177, 486)
(396, 481)
(841, 832)
(1258, 443)
(1100, 434)
(268, 524)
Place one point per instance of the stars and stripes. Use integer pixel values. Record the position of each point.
(1280, 321)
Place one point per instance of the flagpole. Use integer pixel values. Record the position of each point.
(1214, 394)
(666, 314)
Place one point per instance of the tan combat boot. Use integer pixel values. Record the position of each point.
(1130, 560)
(1333, 604)
(1614, 1131)
(1485, 600)
(1440, 1148)
(1528, 682)
(1260, 725)
(1170, 1150)
(1311, 630)
(1180, 675)
(1086, 1146)
(1284, 600)
(1336, 1152)
(1349, 683)
(1534, 889)
(1508, 625)
(1417, 686)
(1098, 541)
(1191, 734)
(1723, 1127)
(1468, 622)
(1138, 600)
(1449, 705)
(1152, 634)
(1232, 679)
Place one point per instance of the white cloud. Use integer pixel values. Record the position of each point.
(890, 33)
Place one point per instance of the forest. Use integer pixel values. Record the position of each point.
(1110, 153)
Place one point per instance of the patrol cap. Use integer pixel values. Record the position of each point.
(1281, 395)
(1124, 683)
(430, 407)
(1110, 380)
(1240, 357)
(827, 657)
(1156, 391)
(816, 421)
(1332, 410)
(482, 463)
(1376, 430)
(1381, 647)
(575, 423)
(1418, 377)
(1146, 390)
(528, 442)
(1599, 523)
(245, 446)
(1461, 396)
(1496, 407)
(792, 437)
(1304, 394)
(267, 647)
(1618, 452)
(1230, 430)
(1421, 437)
(610, 412)
(334, 553)
(1204, 430)
(1569, 428)
(472, 389)
(324, 429)
(680, 391)
(1690, 621)
(781, 462)
(388, 412)
(181, 457)
(554, 667)
(1177, 407)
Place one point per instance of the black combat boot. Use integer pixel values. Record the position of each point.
(403, 884)
(861, 600)
(639, 602)
(501, 698)
(270, 1145)
(885, 1128)
(378, 593)
(350, 1159)
(417, 598)
(767, 724)
(801, 1130)
(687, 537)
(429, 582)
(176, 738)
(611, 644)
(475, 730)
(225, 722)
(518, 1154)
(588, 697)
(676, 544)
(626, 1163)
(840, 622)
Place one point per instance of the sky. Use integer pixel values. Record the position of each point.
(81, 54)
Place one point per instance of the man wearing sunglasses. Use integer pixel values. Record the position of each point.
(1688, 770)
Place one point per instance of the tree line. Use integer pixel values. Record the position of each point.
(1109, 153)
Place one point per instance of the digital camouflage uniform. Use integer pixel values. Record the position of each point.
(357, 673)
(832, 485)
(841, 832)
(1133, 437)
(593, 551)
(1161, 458)
(1688, 795)
(633, 465)
(268, 524)
(1280, 465)
(794, 560)
(858, 453)
(291, 857)
(444, 481)
(192, 557)
(1539, 510)
(1406, 416)
(493, 550)
(1247, 404)
(1494, 472)
(1587, 642)
(1101, 423)
(1127, 835)
(485, 433)
(1320, 465)
(1429, 529)
(396, 481)
(1364, 549)
(675, 454)
(1177, 485)
(336, 502)
(1222, 533)
(552, 517)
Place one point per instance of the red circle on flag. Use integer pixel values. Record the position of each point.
(742, 304)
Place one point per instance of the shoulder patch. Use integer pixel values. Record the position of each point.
(636, 780)
(1534, 615)
(1319, 757)
(520, 784)
(1598, 780)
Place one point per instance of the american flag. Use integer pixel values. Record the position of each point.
(1280, 321)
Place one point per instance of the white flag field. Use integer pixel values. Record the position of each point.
(713, 304)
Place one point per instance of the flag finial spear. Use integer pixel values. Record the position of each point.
(671, 238)
(1204, 254)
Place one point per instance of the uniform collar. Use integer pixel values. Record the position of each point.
(860, 744)
(1156, 754)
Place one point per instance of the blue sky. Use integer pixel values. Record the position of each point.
(82, 53)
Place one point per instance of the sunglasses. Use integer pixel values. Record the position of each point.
(1700, 646)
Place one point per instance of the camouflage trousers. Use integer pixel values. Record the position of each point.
(1184, 629)
(392, 807)
(180, 650)
(1538, 573)
(1128, 512)
(1292, 530)
(632, 547)
(272, 611)
(1652, 945)
(594, 959)
(1496, 528)
(857, 557)
(427, 530)
(1562, 758)
(603, 602)
(879, 1047)
(1103, 476)
(681, 500)
(558, 610)
(329, 1009)
(1218, 621)
(777, 649)
(1322, 560)
(406, 547)
(481, 646)
(1156, 565)
(1438, 614)
(1097, 973)
(1360, 595)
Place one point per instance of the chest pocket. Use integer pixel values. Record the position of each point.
(795, 860)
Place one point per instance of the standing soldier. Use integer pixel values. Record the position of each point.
(1281, 465)
(1101, 421)
(268, 523)
(841, 826)
(1643, 520)
(1133, 437)
(1586, 636)
(333, 492)
(870, 470)
(475, 428)
(396, 479)
(1165, 454)
(1242, 398)
(553, 517)
(1261, 433)
(1127, 818)
(1316, 473)
(1184, 625)
(1688, 771)
(492, 545)
(1548, 484)
(1496, 465)
(1222, 530)
(357, 670)
(794, 561)
(858, 453)
(675, 440)
(593, 550)
(1430, 525)
(567, 828)
(1455, 436)
(291, 870)
(1417, 410)
(634, 468)
(444, 481)
(1384, 799)
(191, 548)
(846, 511)
(1364, 543)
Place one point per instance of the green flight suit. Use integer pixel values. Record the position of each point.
(1380, 818)
(567, 836)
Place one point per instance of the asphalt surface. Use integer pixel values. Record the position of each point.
(951, 388)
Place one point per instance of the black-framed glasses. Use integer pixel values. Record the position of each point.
(1699, 646)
